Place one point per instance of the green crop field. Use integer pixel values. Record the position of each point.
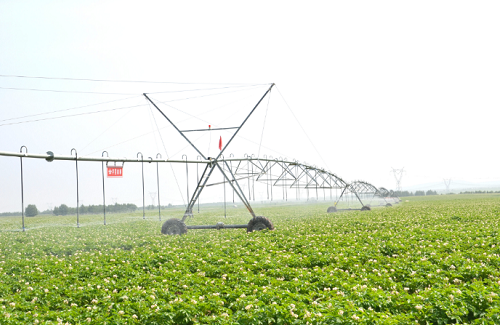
(432, 260)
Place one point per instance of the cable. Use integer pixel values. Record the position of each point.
(152, 126)
(166, 152)
(302, 128)
(107, 129)
(196, 117)
(58, 117)
(264, 125)
(68, 91)
(201, 89)
(222, 93)
(66, 109)
(130, 81)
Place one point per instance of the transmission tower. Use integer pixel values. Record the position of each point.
(153, 197)
(398, 174)
(447, 183)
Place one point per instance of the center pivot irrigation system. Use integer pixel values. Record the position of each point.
(290, 175)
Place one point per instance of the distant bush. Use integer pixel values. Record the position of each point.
(31, 210)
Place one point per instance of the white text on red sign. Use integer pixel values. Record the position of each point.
(115, 172)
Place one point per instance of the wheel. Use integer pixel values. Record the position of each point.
(365, 208)
(174, 227)
(331, 209)
(259, 223)
(388, 205)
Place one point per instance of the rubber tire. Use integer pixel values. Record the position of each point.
(259, 223)
(174, 226)
(366, 208)
(388, 205)
(331, 209)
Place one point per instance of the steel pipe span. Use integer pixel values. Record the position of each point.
(286, 173)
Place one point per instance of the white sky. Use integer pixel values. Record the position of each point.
(375, 85)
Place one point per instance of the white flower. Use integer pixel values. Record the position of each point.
(248, 307)
(418, 307)
(121, 312)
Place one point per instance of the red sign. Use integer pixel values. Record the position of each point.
(115, 171)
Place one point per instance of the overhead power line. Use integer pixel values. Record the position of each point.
(123, 94)
(58, 117)
(68, 91)
(63, 110)
(115, 80)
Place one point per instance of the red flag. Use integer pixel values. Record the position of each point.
(220, 143)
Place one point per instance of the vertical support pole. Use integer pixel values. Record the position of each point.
(267, 183)
(142, 167)
(231, 163)
(77, 191)
(271, 177)
(331, 186)
(223, 167)
(296, 181)
(284, 185)
(316, 181)
(22, 186)
(253, 181)
(103, 190)
(282, 174)
(248, 176)
(187, 181)
(198, 181)
(158, 186)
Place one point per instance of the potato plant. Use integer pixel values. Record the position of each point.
(432, 260)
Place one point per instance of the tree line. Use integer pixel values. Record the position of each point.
(416, 193)
(63, 209)
(479, 192)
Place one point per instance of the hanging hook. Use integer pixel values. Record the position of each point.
(158, 154)
(21, 150)
(107, 155)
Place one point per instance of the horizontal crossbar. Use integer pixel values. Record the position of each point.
(211, 129)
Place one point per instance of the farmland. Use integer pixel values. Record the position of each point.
(430, 260)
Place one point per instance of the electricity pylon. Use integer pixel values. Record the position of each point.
(153, 198)
(447, 183)
(398, 174)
